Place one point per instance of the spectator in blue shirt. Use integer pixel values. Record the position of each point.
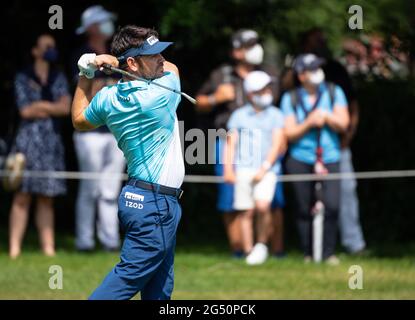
(251, 154)
(315, 114)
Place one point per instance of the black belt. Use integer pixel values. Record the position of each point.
(176, 192)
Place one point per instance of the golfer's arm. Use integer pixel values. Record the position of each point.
(293, 130)
(229, 152)
(168, 66)
(338, 120)
(81, 101)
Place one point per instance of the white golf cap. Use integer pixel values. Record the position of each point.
(94, 14)
(256, 80)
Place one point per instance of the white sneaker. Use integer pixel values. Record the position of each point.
(258, 255)
(333, 261)
(307, 259)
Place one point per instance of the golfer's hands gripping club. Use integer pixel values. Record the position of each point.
(90, 62)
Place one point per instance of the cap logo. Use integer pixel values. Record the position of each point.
(152, 40)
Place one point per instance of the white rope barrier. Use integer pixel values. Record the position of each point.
(75, 175)
(315, 177)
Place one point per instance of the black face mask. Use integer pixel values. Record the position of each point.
(51, 55)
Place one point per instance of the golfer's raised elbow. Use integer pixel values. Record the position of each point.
(81, 124)
(168, 66)
(78, 125)
(82, 127)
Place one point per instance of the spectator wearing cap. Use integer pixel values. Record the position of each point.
(351, 234)
(97, 27)
(251, 162)
(315, 115)
(97, 150)
(219, 96)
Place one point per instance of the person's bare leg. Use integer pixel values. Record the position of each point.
(19, 214)
(247, 230)
(232, 221)
(277, 234)
(45, 224)
(263, 221)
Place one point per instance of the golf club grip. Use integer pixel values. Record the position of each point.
(107, 66)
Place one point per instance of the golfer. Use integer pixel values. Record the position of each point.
(142, 117)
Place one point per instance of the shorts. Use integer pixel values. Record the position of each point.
(278, 202)
(247, 193)
(224, 202)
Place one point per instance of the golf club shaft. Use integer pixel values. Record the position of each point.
(128, 74)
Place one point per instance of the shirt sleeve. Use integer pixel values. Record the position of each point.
(278, 120)
(95, 112)
(170, 80)
(339, 97)
(286, 105)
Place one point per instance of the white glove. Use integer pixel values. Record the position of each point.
(86, 65)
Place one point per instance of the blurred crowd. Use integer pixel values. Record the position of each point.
(299, 119)
(369, 57)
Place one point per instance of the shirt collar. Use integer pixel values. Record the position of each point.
(136, 84)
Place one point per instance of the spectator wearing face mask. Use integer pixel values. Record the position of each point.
(315, 115)
(42, 97)
(352, 238)
(251, 162)
(97, 150)
(219, 96)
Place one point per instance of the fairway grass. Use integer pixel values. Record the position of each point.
(205, 274)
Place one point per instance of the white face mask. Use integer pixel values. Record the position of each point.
(107, 28)
(316, 77)
(254, 55)
(262, 101)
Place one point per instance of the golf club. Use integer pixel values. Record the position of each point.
(126, 73)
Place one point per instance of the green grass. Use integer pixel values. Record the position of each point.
(207, 272)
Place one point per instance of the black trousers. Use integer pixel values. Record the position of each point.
(304, 200)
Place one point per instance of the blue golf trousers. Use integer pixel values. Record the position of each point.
(149, 220)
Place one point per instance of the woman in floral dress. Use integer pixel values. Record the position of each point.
(42, 97)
